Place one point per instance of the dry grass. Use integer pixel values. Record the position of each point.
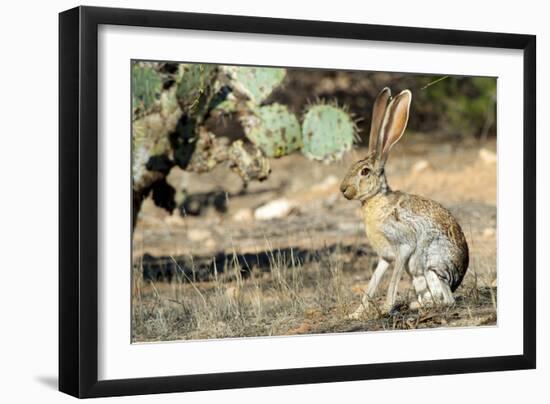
(294, 296)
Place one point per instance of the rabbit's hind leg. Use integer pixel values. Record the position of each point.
(440, 289)
(423, 295)
(419, 282)
(432, 290)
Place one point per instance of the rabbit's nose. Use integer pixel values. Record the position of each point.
(343, 187)
(349, 192)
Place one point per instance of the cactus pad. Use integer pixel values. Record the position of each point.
(256, 83)
(273, 129)
(196, 88)
(150, 131)
(227, 106)
(146, 88)
(327, 132)
(248, 162)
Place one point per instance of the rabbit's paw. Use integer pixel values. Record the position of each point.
(359, 313)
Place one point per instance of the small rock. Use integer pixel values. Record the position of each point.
(275, 209)
(489, 232)
(198, 234)
(327, 184)
(173, 220)
(243, 215)
(487, 156)
(420, 166)
(210, 244)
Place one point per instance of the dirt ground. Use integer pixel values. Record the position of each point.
(289, 255)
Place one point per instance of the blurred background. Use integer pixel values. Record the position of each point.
(453, 106)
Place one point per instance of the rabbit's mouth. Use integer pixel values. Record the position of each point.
(349, 192)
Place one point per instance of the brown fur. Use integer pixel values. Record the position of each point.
(417, 233)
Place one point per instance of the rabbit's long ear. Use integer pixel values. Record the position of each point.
(378, 110)
(394, 124)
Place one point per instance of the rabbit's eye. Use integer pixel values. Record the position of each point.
(365, 171)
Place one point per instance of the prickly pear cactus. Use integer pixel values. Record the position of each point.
(227, 107)
(150, 130)
(146, 88)
(273, 129)
(158, 130)
(171, 106)
(209, 151)
(255, 83)
(327, 132)
(161, 94)
(196, 88)
(248, 162)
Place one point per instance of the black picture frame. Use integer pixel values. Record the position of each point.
(78, 201)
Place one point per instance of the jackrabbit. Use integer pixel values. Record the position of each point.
(412, 232)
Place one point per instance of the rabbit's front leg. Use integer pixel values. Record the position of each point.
(401, 261)
(377, 275)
